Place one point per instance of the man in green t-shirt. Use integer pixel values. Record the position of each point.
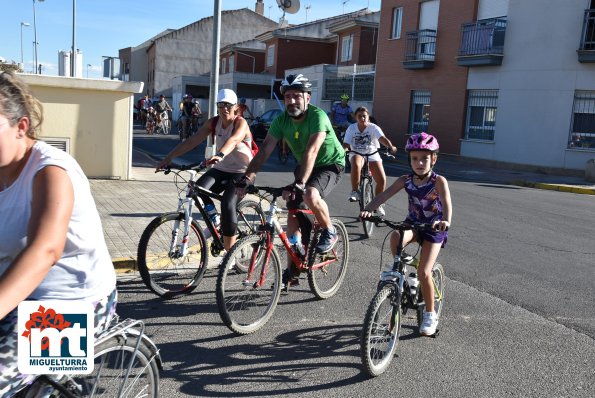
(321, 158)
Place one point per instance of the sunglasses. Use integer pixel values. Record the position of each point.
(225, 105)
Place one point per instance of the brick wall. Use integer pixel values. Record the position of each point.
(446, 80)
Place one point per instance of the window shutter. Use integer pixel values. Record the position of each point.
(492, 9)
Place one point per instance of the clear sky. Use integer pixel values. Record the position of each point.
(105, 26)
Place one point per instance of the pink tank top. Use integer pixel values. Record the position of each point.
(237, 160)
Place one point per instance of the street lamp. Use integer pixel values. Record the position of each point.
(23, 24)
(73, 58)
(88, 70)
(35, 32)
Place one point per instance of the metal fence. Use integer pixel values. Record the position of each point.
(356, 81)
(421, 45)
(588, 36)
(582, 129)
(482, 107)
(483, 37)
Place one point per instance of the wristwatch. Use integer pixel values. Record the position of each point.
(220, 154)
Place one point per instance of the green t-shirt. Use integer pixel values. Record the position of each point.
(297, 135)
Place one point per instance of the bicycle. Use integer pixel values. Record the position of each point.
(366, 187)
(394, 296)
(172, 251)
(163, 125)
(247, 296)
(126, 364)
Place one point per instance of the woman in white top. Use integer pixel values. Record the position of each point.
(233, 140)
(365, 137)
(51, 240)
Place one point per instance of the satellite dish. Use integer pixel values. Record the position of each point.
(289, 6)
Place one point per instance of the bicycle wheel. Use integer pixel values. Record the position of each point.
(380, 334)
(438, 279)
(367, 194)
(112, 359)
(250, 217)
(164, 269)
(325, 281)
(247, 301)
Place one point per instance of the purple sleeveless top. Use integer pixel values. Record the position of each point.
(424, 201)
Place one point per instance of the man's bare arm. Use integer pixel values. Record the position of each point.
(264, 151)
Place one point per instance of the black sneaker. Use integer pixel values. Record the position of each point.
(288, 280)
(327, 241)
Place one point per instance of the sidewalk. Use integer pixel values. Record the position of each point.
(127, 207)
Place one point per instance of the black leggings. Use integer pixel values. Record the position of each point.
(220, 181)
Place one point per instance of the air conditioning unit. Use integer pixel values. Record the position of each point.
(58, 142)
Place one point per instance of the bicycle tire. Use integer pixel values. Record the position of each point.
(325, 281)
(380, 334)
(250, 217)
(245, 308)
(438, 279)
(112, 358)
(367, 194)
(166, 273)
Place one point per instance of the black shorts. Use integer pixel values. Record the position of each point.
(323, 178)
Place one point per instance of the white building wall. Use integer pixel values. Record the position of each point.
(536, 81)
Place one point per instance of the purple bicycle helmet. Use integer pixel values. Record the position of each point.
(422, 142)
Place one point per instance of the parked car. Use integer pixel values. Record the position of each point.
(260, 126)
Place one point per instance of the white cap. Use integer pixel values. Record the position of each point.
(227, 95)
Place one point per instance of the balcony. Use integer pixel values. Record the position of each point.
(420, 49)
(586, 51)
(482, 42)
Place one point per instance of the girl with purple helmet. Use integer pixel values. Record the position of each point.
(429, 202)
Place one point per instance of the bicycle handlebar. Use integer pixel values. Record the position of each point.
(183, 167)
(384, 152)
(253, 189)
(401, 225)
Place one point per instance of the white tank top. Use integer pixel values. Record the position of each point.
(85, 270)
(237, 160)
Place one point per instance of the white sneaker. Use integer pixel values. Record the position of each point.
(380, 211)
(354, 196)
(428, 324)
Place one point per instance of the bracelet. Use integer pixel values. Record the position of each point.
(220, 154)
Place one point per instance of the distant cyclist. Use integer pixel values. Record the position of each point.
(321, 159)
(243, 108)
(365, 137)
(162, 107)
(341, 113)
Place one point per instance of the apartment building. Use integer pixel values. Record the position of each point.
(503, 80)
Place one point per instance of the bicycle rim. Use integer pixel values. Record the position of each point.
(380, 335)
(247, 300)
(112, 359)
(163, 267)
(325, 281)
(367, 194)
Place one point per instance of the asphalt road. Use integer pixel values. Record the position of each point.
(518, 319)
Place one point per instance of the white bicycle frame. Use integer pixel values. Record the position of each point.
(185, 204)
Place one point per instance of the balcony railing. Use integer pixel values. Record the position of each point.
(420, 49)
(482, 42)
(586, 51)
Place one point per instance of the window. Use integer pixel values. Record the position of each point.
(582, 131)
(231, 64)
(420, 111)
(223, 64)
(397, 23)
(482, 106)
(346, 48)
(270, 55)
